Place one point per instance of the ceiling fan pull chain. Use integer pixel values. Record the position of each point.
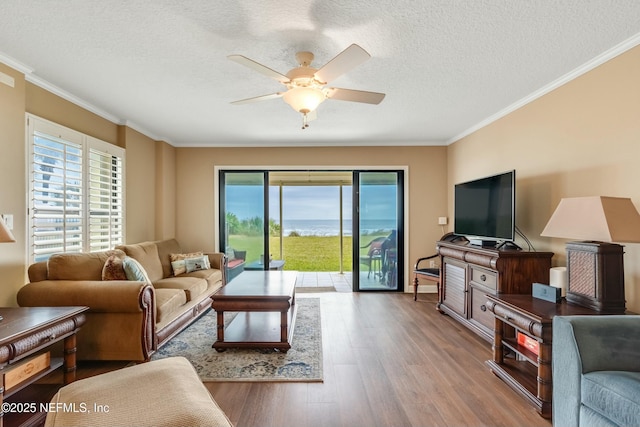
(304, 121)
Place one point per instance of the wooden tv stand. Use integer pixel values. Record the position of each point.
(470, 272)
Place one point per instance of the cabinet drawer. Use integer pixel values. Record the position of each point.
(24, 370)
(484, 277)
(478, 311)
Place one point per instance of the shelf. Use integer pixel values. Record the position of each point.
(521, 376)
(512, 344)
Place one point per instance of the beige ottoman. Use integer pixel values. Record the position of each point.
(166, 392)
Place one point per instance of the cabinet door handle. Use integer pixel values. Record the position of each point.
(483, 307)
(483, 277)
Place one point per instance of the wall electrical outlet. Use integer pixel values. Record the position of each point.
(432, 264)
(442, 220)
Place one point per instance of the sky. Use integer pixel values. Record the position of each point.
(311, 202)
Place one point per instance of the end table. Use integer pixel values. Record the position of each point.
(27, 335)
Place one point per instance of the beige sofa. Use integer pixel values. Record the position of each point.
(127, 319)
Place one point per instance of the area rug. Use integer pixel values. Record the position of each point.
(302, 363)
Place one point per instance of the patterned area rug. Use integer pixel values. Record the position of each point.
(302, 363)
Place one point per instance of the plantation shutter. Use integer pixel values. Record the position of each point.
(56, 213)
(76, 185)
(105, 199)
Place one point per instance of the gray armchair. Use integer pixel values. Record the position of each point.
(596, 371)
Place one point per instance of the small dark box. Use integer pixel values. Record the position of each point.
(546, 292)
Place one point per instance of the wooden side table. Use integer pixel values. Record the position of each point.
(27, 335)
(521, 368)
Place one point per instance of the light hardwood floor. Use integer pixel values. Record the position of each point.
(388, 361)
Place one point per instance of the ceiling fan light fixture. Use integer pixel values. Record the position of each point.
(304, 99)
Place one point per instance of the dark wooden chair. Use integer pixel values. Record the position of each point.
(431, 274)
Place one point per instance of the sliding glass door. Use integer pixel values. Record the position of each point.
(346, 222)
(243, 201)
(378, 213)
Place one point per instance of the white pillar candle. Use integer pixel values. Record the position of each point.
(558, 278)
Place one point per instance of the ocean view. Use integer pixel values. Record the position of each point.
(330, 227)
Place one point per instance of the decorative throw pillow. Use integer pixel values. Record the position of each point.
(197, 263)
(134, 270)
(114, 269)
(230, 253)
(178, 262)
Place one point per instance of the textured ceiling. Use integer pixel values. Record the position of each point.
(447, 67)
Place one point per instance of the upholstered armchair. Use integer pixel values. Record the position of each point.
(596, 371)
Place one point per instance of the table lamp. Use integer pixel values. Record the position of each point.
(595, 269)
(5, 233)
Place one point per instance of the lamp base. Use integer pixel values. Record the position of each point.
(595, 276)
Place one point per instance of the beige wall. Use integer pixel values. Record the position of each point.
(141, 177)
(582, 139)
(165, 191)
(426, 183)
(12, 192)
(51, 107)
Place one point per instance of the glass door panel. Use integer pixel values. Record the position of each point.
(379, 211)
(242, 220)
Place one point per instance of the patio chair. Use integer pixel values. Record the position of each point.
(374, 256)
(431, 274)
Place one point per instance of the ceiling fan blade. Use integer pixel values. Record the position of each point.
(345, 61)
(259, 98)
(256, 66)
(355, 95)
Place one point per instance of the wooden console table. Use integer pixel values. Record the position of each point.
(470, 272)
(27, 335)
(526, 372)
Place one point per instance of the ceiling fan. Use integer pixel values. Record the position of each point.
(306, 85)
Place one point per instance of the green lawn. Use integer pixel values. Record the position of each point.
(304, 253)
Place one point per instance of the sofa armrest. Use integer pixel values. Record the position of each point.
(115, 296)
(584, 344)
(218, 260)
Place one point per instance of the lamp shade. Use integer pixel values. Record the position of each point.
(304, 99)
(5, 233)
(597, 218)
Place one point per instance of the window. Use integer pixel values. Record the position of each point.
(76, 189)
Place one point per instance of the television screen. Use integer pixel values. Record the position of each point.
(485, 208)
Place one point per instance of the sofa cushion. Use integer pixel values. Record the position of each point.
(178, 262)
(82, 266)
(147, 254)
(192, 286)
(165, 248)
(114, 268)
(234, 263)
(168, 301)
(613, 394)
(212, 276)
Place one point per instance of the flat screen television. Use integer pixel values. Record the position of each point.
(485, 210)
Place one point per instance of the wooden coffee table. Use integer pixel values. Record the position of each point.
(266, 302)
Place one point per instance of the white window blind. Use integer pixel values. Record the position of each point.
(76, 191)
